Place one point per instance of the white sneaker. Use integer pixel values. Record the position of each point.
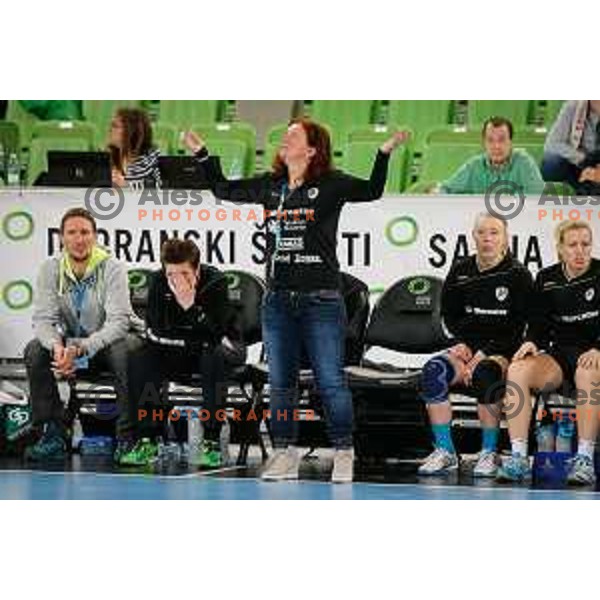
(439, 462)
(486, 465)
(284, 464)
(343, 466)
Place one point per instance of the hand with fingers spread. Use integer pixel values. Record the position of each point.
(590, 174)
(590, 360)
(399, 138)
(184, 289)
(527, 349)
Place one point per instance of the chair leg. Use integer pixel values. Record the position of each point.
(252, 429)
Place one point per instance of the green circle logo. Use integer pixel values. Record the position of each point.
(18, 226)
(402, 231)
(18, 295)
(418, 286)
(233, 281)
(137, 280)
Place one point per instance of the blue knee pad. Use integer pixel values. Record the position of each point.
(436, 376)
(487, 382)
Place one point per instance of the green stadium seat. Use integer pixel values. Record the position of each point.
(551, 112)
(16, 113)
(440, 161)
(358, 161)
(244, 133)
(520, 112)
(61, 130)
(360, 150)
(38, 153)
(342, 116)
(9, 138)
(184, 113)
(232, 154)
(420, 116)
(165, 138)
(100, 113)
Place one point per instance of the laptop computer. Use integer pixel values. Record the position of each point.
(181, 173)
(78, 169)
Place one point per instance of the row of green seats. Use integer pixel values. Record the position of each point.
(180, 114)
(234, 142)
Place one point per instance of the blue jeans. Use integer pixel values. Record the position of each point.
(316, 320)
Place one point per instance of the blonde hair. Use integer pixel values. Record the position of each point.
(563, 228)
(481, 216)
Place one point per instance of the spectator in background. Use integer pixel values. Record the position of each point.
(81, 318)
(54, 110)
(134, 159)
(499, 162)
(572, 150)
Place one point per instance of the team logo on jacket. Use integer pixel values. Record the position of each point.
(589, 295)
(501, 293)
(312, 193)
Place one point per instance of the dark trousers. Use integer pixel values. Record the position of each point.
(151, 365)
(45, 401)
(557, 168)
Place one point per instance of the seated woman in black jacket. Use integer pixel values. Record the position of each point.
(484, 305)
(191, 329)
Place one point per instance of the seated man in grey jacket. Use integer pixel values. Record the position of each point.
(81, 318)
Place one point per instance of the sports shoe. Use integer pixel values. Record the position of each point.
(581, 471)
(123, 448)
(143, 453)
(343, 466)
(51, 445)
(284, 464)
(210, 456)
(439, 462)
(486, 465)
(514, 468)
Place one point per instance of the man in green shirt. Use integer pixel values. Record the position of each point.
(499, 162)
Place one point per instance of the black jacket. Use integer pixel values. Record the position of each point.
(302, 249)
(487, 310)
(207, 321)
(566, 312)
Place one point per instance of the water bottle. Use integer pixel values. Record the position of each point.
(2, 163)
(195, 439)
(224, 438)
(545, 437)
(565, 434)
(77, 434)
(13, 170)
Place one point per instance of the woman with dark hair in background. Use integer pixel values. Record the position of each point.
(134, 159)
(303, 305)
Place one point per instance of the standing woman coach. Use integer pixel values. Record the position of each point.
(303, 304)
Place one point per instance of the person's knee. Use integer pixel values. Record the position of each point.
(556, 168)
(35, 354)
(436, 376)
(487, 382)
(519, 370)
(587, 377)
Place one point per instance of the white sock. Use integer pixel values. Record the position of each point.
(519, 446)
(586, 448)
